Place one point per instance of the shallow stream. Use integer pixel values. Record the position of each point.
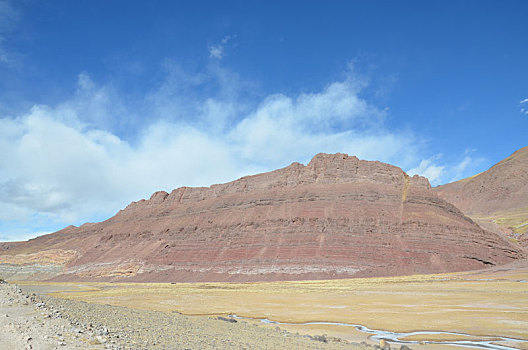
(396, 337)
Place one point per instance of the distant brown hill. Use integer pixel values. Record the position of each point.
(497, 198)
(336, 217)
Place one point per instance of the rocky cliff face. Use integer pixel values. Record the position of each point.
(336, 217)
(497, 198)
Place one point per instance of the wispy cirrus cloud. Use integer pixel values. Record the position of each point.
(523, 109)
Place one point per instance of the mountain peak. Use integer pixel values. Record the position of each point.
(496, 198)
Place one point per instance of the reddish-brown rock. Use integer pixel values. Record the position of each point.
(497, 198)
(336, 217)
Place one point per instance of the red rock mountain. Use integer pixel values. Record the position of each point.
(498, 198)
(336, 217)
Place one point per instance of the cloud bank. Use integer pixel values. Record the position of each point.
(75, 161)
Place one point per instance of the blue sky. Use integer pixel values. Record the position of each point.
(105, 102)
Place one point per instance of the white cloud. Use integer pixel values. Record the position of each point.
(283, 128)
(21, 236)
(458, 170)
(217, 51)
(68, 163)
(428, 169)
(50, 165)
(524, 110)
(439, 172)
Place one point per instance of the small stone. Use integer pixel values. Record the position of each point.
(405, 347)
(384, 345)
(321, 338)
(101, 339)
(232, 320)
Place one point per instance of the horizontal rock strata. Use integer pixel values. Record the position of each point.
(336, 217)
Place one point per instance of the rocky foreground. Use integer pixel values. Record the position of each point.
(26, 323)
(29, 321)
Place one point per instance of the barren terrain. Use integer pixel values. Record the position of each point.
(29, 321)
(26, 323)
(496, 199)
(484, 309)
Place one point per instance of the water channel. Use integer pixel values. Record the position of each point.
(396, 337)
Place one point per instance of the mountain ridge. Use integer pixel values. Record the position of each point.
(497, 198)
(336, 217)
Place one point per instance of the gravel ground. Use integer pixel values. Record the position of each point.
(25, 323)
(29, 321)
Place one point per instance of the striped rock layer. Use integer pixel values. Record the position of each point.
(337, 217)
